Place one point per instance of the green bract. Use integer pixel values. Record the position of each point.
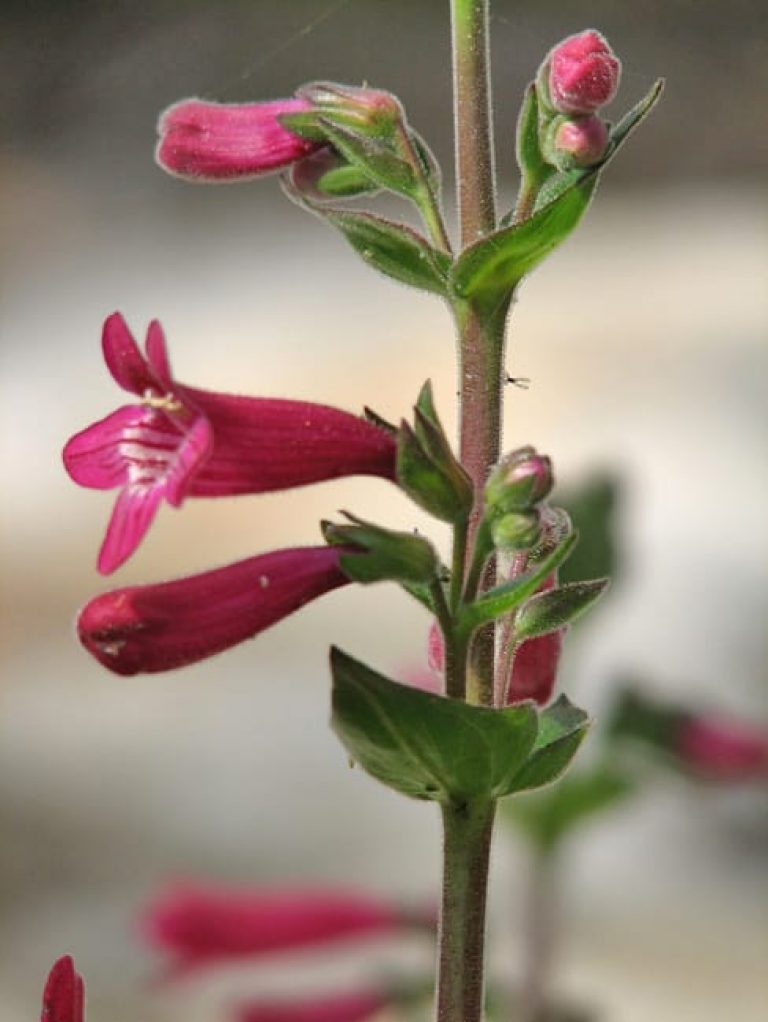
(427, 468)
(430, 747)
(510, 595)
(554, 609)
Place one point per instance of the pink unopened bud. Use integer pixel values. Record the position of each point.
(521, 480)
(580, 142)
(583, 73)
(722, 749)
(64, 994)
(204, 141)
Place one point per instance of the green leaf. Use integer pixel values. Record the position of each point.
(550, 815)
(633, 118)
(554, 609)
(375, 159)
(384, 555)
(510, 595)
(396, 250)
(489, 270)
(562, 728)
(493, 266)
(427, 746)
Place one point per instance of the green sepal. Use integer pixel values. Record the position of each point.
(488, 271)
(384, 555)
(396, 250)
(428, 162)
(345, 182)
(534, 169)
(375, 159)
(306, 125)
(380, 421)
(549, 816)
(554, 609)
(562, 728)
(427, 469)
(508, 596)
(435, 443)
(421, 479)
(427, 746)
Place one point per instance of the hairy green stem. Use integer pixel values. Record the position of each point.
(468, 826)
(472, 111)
(458, 558)
(480, 334)
(467, 829)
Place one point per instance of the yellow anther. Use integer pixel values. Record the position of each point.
(163, 403)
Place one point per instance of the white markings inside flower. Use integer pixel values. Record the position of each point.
(149, 452)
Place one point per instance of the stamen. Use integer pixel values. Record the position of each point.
(163, 403)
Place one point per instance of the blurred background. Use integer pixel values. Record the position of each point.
(644, 339)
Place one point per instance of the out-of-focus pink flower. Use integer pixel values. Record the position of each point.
(178, 441)
(580, 142)
(203, 141)
(352, 1007)
(584, 73)
(149, 628)
(197, 925)
(721, 749)
(64, 994)
(534, 669)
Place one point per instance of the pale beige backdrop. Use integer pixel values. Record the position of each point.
(644, 339)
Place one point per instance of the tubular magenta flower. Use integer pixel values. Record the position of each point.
(177, 441)
(203, 141)
(721, 749)
(351, 1007)
(199, 925)
(64, 994)
(149, 628)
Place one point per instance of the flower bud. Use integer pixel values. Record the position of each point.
(521, 480)
(580, 74)
(518, 530)
(325, 175)
(370, 111)
(203, 141)
(575, 142)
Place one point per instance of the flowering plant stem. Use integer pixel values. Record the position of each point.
(467, 826)
(467, 831)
